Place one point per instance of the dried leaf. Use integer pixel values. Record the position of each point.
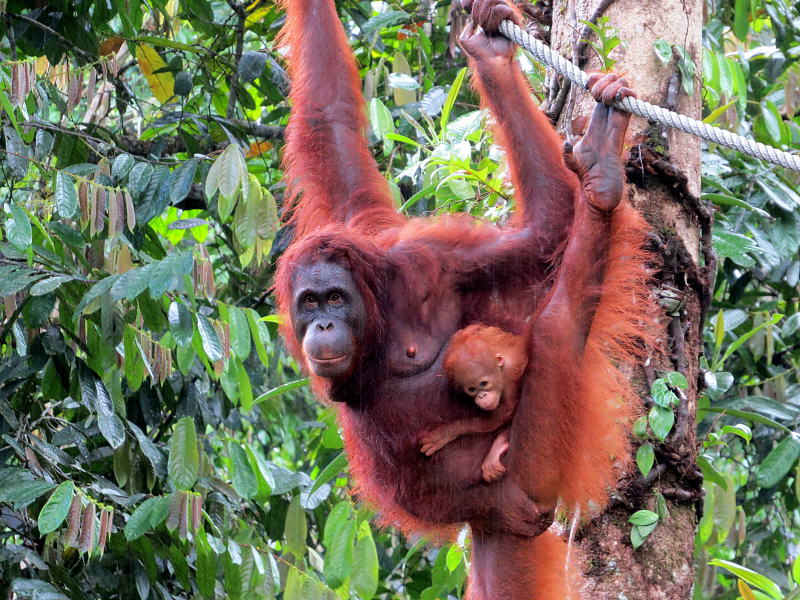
(183, 518)
(73, 521)
(197, 511)
(86, 538)
(110, 46)
(130, 213)
(83, 203)
(113, 217)
(103, 533)
(161, 81)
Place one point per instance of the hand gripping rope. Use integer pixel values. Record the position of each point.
(650, 111)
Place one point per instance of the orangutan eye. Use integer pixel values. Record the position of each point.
(335, 298)
(310, 301)
(484, 383)
(471, 390)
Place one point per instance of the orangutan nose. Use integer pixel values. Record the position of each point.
(327, 326)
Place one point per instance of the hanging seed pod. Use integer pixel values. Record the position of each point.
(73, 521)
(86, 538)
(102, 535)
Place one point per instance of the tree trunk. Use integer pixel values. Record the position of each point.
(664, 184)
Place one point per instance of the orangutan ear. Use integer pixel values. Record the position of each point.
(500, 360)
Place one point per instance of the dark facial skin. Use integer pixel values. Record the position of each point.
(328, 316)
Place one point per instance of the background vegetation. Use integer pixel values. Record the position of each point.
(156, 440)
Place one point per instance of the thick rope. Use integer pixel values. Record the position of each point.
(650, 111)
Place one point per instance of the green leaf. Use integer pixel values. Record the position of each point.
(168, 274)
(796, 570)
(340, 532)
(748, 415)
(663, 50)
(455, 556)
(66, 197)
(735, 246)
(295, 528)
(94, 292)
(364, 576)
(743, 431)
(18, 228)
(741, 23)
(772, 121)
(45, 286)
(150, 450)
(24, 491)
(232, 572)
(661, 421)
(206, 569)
(211, 344)
(643, 517)
(181, 324)
(735, 345)
(244, 385)
(184, 459)
(336, 466)
(240, 332)
(251, 66)
(725, 199)
(182, 178)
(777, 464)
(110, 424)
(751, 577)
(662, 395)
(242, 476)
(212, 179)
(232, 172)
(43, 145)
(17, 154)
(147, 516)
(645, 457)
(281, 389)
(451, 97)
(382, 123)
(294, 584)
(56, 508)
(122, 166)
(677, 380)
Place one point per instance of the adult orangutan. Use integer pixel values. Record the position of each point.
(370, 299)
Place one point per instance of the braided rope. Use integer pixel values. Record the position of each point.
(650, 111)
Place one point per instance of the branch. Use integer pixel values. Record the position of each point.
(64, 41)
(234, 80)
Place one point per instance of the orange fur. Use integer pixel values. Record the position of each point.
(480, 345)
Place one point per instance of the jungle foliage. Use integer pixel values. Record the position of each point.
(156, 440)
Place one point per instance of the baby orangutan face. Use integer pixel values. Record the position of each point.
(484, 383)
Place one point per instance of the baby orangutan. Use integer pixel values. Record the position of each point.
(485, 363)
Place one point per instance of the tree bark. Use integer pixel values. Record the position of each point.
(664, 184)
